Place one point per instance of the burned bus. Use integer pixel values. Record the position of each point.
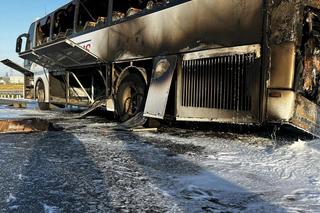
(239, 62)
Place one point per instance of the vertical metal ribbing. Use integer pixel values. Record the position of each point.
(225, 83)
(210, 83)
(200, 91)
(192, 80)
(204, 76)
(238, 82)
(235, 83)
(219, 82)
(183, 85)
(188, 83)
(222, 82)
(186, 79)
(214, 105)
(197, 83)
(204, 102)
(230, 82)
(196, 98)
(243, 80)
(205, 79)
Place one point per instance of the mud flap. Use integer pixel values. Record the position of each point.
(159, 89)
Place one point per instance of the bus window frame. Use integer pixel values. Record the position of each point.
(145, 12)
(39, 23)
(64, 7)
(110, 22)
(100, 26)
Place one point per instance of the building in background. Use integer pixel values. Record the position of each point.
(16, 79)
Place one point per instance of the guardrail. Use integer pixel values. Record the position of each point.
(11, 94)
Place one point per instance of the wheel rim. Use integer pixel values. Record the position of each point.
(130, 96)
(132, 101)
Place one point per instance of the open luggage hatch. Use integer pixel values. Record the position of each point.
(17, 67)
(63, 54)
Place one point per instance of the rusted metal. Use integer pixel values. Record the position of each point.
(25, 126)
(306, 116)
(311, 71)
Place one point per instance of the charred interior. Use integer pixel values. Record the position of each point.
(92, 13)
(127, 8)
(63, 22)
(310, 49)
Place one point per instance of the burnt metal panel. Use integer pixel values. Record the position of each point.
(17, 67)
(285, 20)
(220, 88)
(217, 24)
(306, 116)
(159, 88)
(66, 54)
(283, 58)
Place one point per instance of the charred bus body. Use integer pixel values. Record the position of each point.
(242, 62)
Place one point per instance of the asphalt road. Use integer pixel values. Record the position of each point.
(88, 167)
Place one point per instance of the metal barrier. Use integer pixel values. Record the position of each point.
(11, 94)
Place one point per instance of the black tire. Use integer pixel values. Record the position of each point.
(130, 96)
(41, 96)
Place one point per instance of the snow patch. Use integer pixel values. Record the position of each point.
(51, 209)
(11, 198)
(298, 146)
(303, 147)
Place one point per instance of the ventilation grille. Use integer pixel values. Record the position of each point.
(218, 83)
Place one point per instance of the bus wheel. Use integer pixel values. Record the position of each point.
(130, 96)
(41, 96)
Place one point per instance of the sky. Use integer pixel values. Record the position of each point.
(15, 18)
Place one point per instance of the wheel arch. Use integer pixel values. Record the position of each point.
(39, 79)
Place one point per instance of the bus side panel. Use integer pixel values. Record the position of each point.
(191, 26)
(194, 25)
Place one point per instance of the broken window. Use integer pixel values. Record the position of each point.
(43, 31)
(127, 8)
(63, 21)
(92, 13)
